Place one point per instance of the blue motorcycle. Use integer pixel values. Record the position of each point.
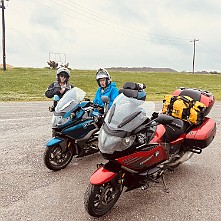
(75, 125)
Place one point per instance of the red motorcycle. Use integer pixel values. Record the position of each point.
(141, 146)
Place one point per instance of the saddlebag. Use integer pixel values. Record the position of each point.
(203, 96)
(201, 136)
(184, 108)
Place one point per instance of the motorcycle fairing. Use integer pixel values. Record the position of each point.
(85, 104)
(54, 141)
(79, 114)
(158, 134)
(126, 113)
(144, 159)
(102, 175)
(124, 116)
(70, 100)
(80, 130)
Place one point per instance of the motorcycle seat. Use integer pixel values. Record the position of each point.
(194, 94)
(128, 92)
(172, 133)
(134, 90)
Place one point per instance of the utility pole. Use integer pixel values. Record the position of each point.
(3, 34)
(194, 51)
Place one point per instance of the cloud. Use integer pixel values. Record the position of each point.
(42, 19)
(112, 33)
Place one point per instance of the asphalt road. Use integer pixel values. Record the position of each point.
(29, 191)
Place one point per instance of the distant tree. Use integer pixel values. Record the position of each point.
(52, 64)
(64, 65)
(214, 72)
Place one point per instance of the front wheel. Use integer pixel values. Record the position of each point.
(99, 199)
(57, 158)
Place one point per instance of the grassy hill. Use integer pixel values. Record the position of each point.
(29, 84)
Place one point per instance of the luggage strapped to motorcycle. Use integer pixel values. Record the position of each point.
(184, 108)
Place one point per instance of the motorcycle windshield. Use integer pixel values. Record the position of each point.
(126, 114)
(70, 99)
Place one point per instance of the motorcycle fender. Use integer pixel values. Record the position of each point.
(54, 141)
(102, 175)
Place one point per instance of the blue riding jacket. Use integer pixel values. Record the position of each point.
(111, 91)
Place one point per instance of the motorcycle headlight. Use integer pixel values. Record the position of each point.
(109, 144)
(128, 141)
(58, 121)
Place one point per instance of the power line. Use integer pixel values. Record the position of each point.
(119, 23)
(209, 50)
(142, 35)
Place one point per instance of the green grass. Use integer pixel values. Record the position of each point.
(29, 84)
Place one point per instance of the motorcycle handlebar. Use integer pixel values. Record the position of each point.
(96, 106)
(95, 118)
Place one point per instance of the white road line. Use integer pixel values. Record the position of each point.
(23, 113)
(17, 119)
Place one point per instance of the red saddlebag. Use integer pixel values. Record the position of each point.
(202, 135)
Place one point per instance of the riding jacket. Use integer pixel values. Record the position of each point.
(111, 91)
(54, 89)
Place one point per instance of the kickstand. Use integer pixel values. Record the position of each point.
(164, 184)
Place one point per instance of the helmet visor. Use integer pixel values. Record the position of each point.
(102, 74)
(63, 74)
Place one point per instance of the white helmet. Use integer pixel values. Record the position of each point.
(63, 70)
(103, 73)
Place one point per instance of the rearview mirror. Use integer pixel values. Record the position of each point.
(105, 99)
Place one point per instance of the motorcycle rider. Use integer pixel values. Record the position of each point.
(59, 87)
(106, 88)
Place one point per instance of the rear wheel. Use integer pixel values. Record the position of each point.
(57, 158)
(99, 199)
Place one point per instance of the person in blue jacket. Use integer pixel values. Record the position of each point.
(106, 87)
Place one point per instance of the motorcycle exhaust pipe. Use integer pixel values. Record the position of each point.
(186, 156)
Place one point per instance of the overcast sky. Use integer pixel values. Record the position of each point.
(114, 33)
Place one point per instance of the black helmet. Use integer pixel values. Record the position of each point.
(102, 73)
(64, 71)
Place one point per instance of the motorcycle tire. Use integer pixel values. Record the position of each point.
(99, 199)
(56, 159)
